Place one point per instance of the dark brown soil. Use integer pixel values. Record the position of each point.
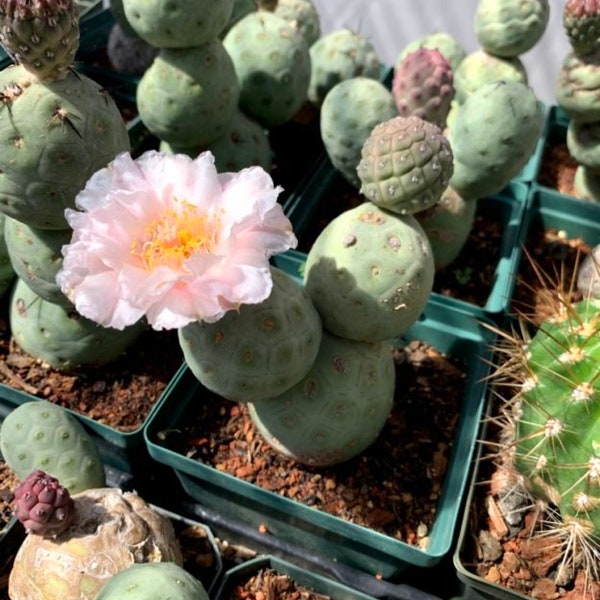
(557, 169)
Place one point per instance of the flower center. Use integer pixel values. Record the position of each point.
(182, 231)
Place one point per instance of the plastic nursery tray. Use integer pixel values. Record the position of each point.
(507, 208)
(451, 331)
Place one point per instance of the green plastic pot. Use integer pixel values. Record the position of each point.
(452, 331)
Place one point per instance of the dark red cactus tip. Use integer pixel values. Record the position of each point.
(582, 8)
(43, 505)
(29, 9)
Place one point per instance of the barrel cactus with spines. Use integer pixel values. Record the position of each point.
(370, 273)
(350, 111)
(337, 410)
(581, 21)
(259, 351)
(42, 435)
(406, 164)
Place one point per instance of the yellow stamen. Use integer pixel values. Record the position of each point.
(182, 231)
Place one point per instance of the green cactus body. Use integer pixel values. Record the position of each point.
(581, 21)
(350, 111)
(338, 56)
(422, 86)
(188, 96)
(479, 68)
(82, 131)
(178, 23)
(244, 144)
(492, 136)
(152, 581)
(42, 36)
(272, 62)
(557, 438)
(405, 165)
(36, 257)
(583, 142)
(241, 8)
(7, 272)
(370, 273)
(260, 350)
(303, 16)
(510, 27)
(447, 44)
(42, 435)
(586, 184)
(60, 336)
(448, 225)
(337, 410)
(577, 86)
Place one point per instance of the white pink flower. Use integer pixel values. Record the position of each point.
(169, 238)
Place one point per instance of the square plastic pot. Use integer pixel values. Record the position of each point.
(449, 330)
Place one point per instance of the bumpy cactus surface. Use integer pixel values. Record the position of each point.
(442, 41)
(337, 410)
(302, 15)
(350, 111)
(43, 505)
(581, 20)
(153, 581)
(7, 272)
(111, 531)
(60, 336)
(492, 136)
(259, 351)
(188, 96)
(272, 62)
(422, 86)
(178, 23)
(338, 56)
(406, 164)
(43, 36)
(508, 27)
(42, 435)
(370, 273)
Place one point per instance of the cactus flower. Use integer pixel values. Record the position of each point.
(169, 238)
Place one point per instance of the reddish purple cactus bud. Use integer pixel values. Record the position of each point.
(43, 505)
(581, 20)
(423, 86)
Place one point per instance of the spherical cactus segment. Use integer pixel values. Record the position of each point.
(556, 430)
(272, 62)
(370, 273)
(508, 28)
(153, 581)
(423, 86)
(303, 16)
(446, 43)
(42, 435)
(493, 136)
(260, 350)
(60, 336)
(36, 257)
(577, 86)
(111, 531)
(448, 225)
(350, 111)
(7, 272)
(586, 184)
(581, 21)
(340, 55)
(406, 164)
(178, 23)
(42, 35)
(187, 97)
(43, 505)
(82, 131)
(337, 410)
(583, 143)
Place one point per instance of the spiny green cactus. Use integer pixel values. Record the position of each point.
(510, 27)
(272, 62)
(260, 350)
(42, 435)
(152, 581)
(338, 56)
(581, 20)
(423, 86)
(337, 410)
(370, 273)
(350, 111)
(406, 164)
